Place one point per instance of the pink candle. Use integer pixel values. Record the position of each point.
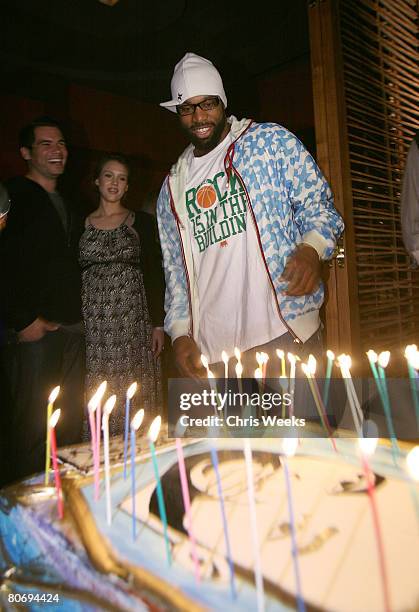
(52, 423)
(99, 394)
(187, 505)
(367, 446)
(91, 407)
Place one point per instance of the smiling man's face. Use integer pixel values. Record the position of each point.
(205, 129)
(48, 155)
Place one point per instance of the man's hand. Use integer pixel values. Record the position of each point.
(36, 330)
(157, 341)
(188, 357)
(302, 271)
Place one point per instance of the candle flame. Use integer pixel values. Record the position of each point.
(258, 373)
(153, 432)
(237, 353)
(280, 353)
(372, 356)
(54, 418)
(345, 362)
(289, 445)
(101, 390)
(312, 364)
(259, 358)
(131, 390)
(265, 357)
(137, 420)
(306, 370)
(412, 355)
(291, 358)
(410, 350)
(204, 361)
(224, 357)
(210, 373)
(54, 394)
(109, 405)
(239, 369)
(330, 355)
(412, 462)
(93, 403)
(383, 359)
(368, 445)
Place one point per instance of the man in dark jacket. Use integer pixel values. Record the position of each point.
(44, 344)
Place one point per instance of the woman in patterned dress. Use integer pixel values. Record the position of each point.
(122, 296)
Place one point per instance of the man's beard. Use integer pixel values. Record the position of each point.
(206, 145)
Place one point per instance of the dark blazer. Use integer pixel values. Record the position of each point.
(151, 265)
(39, 259)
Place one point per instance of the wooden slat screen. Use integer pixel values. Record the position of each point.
(381, 59)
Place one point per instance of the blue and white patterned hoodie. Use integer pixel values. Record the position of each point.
(289, 201)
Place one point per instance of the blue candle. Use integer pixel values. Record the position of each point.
(134, 520)
(153, 432)
(130, 392)
(214, 459)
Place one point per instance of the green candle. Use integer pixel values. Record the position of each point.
(412, 355)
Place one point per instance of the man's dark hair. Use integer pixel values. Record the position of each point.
(107, 157)
(27, 133)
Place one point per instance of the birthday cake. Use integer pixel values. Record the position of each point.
(350, 555)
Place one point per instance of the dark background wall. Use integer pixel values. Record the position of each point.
(96, 120)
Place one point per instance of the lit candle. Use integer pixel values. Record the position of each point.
(259, 359)
(214, 460)
(135, 424)
(345, 363)
(99, 393)
(309, 370)
(262, 360)
(367, 447)
(109, 405)
(224, 357)
(253, 527)
(51, 426)
(204, 362)
(212, 384)
(239, 372)
(130, 394)
(383, 359)
(289, 446)
(153, 432)
(187, 505)
(265, 359)
(292, 359)
(281, 356)
(91, 408)
(412, 356)
(52, 397)
(330, 359)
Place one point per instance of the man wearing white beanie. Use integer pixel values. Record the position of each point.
(245, 219)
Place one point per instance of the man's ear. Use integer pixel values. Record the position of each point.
(97, 182)
(25, 153)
